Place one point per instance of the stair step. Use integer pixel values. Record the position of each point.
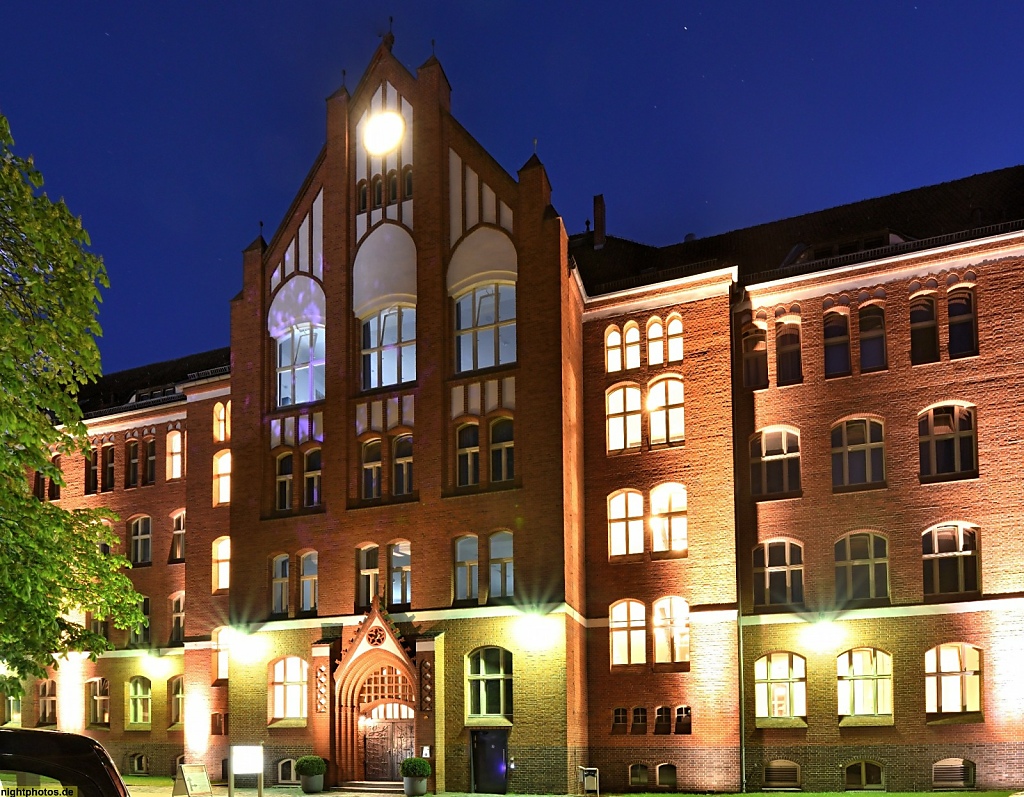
(375, 786)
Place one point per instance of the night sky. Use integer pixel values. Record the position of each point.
(174, 128)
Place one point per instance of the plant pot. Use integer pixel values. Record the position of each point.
(415, 787)
(313, 784)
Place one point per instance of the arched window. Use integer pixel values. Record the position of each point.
(378, 192)
(865, 682)
(953, 773)
(862, 567)
(47, 702)
(775, 462)
(780, 685)
(466, 567)
(755, 357)
(174, 455)
(309, 591)
(368, 565)
(176, 699)
(873, 354)
(637, 774)
(778, 573)
(502, 569)
(662, 720)
(665, 408)
(407, 182)
(99, 701)
(53, 491)
(628, 626)
(963, 324)
(149, 471)
(837, 344)
(781, 774)
(468, 455)
(288, 688)
(140, 634)
(401, 484)
(142, 540)
(655, 342)
(639, 723)
(389, 347)
(301, 374)
(625, 523)
(622, 413)
(924, 332)
(178, 536)
(285, 467)
(489, 683)
(393, 187)
(952, 683)
(788, 366)
(221, 563)
(311, 475)
(671, 621)
(667, 776)
(949, 555)
(612, 350)
(177, 602)
(362, 198)
(631, 336)
(668, 518)
(222, 478)
(286, 774)
(684, 720)
(502, 450)
(485, 327)
(371, 470)
(138, 764)
(280, 585)
(864, 775)
(131, 466)
(400, 567)
(620, 720)
(947, 442)
(675, 339)
(140, 700)
(858, 453)
(221, 422)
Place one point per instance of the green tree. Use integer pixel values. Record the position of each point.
(52, 561)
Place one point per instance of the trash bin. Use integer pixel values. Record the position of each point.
(590, 777)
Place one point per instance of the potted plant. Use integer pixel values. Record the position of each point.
(311, 769)
(415, 772)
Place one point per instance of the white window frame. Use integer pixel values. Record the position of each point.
(301, 381)
(674, 338)
(502, 567)
(400, 573)
(379, 349)
(178, 536)
(175, 456)
(929, 440)
(309, 583)
(631, 345)
(875, 565)
(843, 451)
(177, 617)
(670, 618)
(176, 699)
(953, 679)
(762, 463)
(280, 584)
(285, 470)
(655, 342)
(668, 519)
(623, 411)
(467, 567)
(472, 334)
(140, 700)
(625, 523)
(478, 679)
(289, 688)
(99, 701)
(780, 686)
(142, 540)
(503, 451)
(369, 576)
(47, 691)
(665, 408)
(221, 560)
(792, 570)
(372, 469)
(467, 456)
(864, 681)
(312, 477)
(627, 623)
(967, 559)
(402, 465)
(222, 478)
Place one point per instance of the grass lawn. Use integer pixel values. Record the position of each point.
(785, 794)
(148, 780)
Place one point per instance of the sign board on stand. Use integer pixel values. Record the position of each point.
(192, 781)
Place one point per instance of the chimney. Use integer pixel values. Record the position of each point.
(599, 221)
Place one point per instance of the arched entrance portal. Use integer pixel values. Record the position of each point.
(386, 723)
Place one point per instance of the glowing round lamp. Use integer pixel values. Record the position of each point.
(383, 132)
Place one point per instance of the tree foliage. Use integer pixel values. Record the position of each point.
(52, 566)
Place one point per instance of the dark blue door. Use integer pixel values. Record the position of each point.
(490, 761)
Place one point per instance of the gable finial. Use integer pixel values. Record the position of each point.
(389, 37)
(535, 146)
(433, 43)
(343, 78)
(261, 228)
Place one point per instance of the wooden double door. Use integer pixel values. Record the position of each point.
(386, 743)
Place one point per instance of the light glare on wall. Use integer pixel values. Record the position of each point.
(537, 632)
(823, 636)
(383, 132)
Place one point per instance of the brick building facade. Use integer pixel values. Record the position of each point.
(469, 487)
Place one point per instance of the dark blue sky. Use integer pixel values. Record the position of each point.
(173, 128)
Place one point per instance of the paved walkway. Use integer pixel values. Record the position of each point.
(222, 791)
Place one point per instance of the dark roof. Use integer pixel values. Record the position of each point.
(972, 207)
(115, 391)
